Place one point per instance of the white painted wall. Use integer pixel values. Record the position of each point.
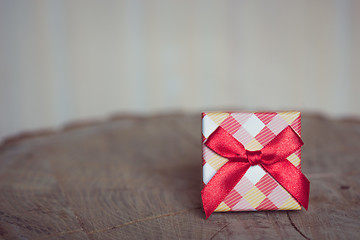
(69, 60)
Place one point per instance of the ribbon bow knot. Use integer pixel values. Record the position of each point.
(272, 158)
(254, 157)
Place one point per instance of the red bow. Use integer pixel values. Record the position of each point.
(272, 158)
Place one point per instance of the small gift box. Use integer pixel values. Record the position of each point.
(252, 161)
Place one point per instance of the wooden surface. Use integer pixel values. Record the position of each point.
(140, 178)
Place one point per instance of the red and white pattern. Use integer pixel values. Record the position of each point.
(257, 190)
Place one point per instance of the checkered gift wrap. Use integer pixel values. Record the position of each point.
(257, 190)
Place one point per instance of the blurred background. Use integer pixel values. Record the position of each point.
(63, 61)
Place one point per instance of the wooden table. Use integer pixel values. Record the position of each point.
(140, 178)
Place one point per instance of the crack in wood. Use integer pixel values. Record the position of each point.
(81, 223)
(120, 225)
(295, 227)
(67, 201)
(143, 220)
(217, 232)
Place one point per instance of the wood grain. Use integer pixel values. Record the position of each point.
(140, 178)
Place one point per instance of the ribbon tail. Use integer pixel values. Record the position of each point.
(221, 185)
(292, 179)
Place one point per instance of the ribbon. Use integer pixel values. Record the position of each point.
(272, 158)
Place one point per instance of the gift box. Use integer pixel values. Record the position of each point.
(252, 162)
